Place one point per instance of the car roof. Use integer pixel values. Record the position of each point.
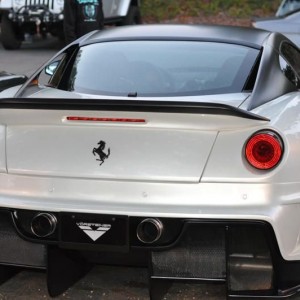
(264, 89)
(217, 33)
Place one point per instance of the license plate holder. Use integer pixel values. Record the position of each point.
(94, 231)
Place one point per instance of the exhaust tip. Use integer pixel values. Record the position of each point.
(149, 230)
(43, 224)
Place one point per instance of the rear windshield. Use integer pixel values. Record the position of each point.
(161, 68)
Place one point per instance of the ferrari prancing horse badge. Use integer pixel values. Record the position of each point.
(100, 152)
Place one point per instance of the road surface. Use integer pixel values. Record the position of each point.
(29, 57)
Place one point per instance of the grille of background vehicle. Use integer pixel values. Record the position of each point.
(48, 3)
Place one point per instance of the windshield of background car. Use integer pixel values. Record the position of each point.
(287, 6)
(161, 68)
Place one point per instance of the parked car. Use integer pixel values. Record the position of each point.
(174, 147)
(8, 80)
(29, 17)
(286, 20)
(287, 7)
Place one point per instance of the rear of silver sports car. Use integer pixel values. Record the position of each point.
(155, 147)
(194, 197)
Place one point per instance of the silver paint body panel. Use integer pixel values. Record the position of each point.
(174, 165)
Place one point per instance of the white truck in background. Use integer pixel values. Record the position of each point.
(21, 17)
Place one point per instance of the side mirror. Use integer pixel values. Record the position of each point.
(50, 69)
(8, 80)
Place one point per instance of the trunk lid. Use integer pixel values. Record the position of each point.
(152, 142)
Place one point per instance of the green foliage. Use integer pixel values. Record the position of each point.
(158, 10)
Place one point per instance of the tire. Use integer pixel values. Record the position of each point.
(9, 37)
(133, 17)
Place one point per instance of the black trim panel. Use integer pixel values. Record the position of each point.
(128, 105)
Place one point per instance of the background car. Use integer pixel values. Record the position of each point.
(25, 18)
(172, 147)
(287, 7)
(286, 20)
(8, 80)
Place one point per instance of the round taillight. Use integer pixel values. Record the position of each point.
(264, 150)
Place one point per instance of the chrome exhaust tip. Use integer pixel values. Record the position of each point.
(43, 224)
(149, 230)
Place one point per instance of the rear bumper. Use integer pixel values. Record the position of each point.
(243, 254)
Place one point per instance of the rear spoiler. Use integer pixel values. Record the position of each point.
(8, 80)
(128, 105)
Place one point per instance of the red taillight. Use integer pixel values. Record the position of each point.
(264, 150)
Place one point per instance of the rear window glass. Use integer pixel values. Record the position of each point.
(292, 55)
(290, 63)
(161, 68)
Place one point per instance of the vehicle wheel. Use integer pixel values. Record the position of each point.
(9, 37)
(133, 16)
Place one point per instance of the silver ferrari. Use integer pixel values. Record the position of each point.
(174, 147)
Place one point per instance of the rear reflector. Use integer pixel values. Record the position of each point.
(92, 119)
(264, 150)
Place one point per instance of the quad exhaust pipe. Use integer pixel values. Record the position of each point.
(149, 230)
(43, 224)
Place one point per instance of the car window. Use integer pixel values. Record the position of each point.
(161, 68)
(51, 79)
(287, 6)
(290, 62)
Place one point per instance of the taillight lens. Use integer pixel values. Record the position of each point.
(264, 150)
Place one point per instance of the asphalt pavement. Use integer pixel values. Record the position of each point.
(30, 56)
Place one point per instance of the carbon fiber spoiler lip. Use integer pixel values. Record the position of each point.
(128, 105)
